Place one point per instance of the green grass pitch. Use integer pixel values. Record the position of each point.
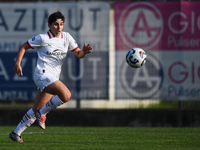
(102, 138)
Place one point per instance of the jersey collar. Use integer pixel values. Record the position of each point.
(51, 35)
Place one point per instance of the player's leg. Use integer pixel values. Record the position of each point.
(61, 95)
(58, 88)
(53, 103)
(27, 120)
(41, 99)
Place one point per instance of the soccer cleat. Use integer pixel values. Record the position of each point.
(40, 119)
(13, 136)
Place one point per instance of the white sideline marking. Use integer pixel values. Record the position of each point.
(32, 132)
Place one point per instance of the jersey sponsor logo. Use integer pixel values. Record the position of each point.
(57, 52)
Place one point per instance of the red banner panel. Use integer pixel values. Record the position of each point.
(157, 25)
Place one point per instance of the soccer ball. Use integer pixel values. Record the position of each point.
(136, 57)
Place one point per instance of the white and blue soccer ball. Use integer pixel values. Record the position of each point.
(136, 57)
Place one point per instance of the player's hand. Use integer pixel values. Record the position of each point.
(18, 69)
(87, 48)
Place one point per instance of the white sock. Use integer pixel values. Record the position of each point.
(28, 119)
(53, 103)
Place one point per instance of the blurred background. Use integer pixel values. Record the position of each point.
(105, 90)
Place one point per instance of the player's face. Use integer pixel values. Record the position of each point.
(56, 27)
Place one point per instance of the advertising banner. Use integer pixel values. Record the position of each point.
(169, 33)
(86, 22)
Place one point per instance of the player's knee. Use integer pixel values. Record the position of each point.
(67, 97)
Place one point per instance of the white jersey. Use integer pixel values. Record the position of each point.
(52, 51)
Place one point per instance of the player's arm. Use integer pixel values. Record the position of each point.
(82, 52)
(17, 68)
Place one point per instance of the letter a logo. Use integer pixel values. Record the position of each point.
(145, 28)
(140, 25)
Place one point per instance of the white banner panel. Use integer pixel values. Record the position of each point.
(165, 76)
(86, 22)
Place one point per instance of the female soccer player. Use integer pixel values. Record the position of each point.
(52, 48)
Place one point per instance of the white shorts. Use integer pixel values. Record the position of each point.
(42, 80)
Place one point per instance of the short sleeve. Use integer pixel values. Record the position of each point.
(35, 41)
(72, 43)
